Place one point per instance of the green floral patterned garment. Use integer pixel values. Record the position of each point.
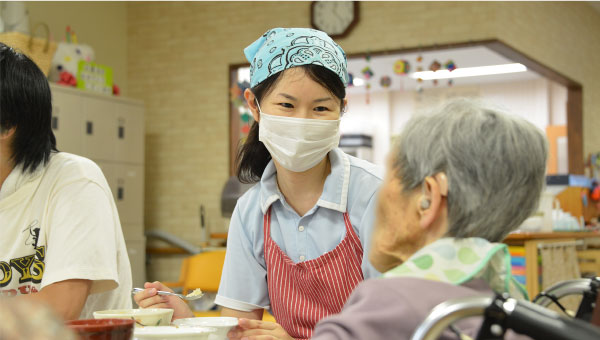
(457, 261)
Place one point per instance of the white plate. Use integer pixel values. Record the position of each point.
(222, 324)
(143, 317)
(170, 333)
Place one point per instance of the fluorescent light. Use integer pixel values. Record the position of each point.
(470, 71)
(358, 82)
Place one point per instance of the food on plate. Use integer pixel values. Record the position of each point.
(196, 292)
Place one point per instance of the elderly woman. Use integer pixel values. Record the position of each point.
(458, 182)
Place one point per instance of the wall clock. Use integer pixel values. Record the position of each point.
(336, 18)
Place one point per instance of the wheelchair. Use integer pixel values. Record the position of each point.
(501, 313)
(589, 288)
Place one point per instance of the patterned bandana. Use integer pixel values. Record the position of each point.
(282, 48)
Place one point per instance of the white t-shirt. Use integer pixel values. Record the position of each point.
(61, 223)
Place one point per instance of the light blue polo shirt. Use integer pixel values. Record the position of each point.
(351, 186)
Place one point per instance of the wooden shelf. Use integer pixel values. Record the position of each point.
(520, 237)
(530, 242)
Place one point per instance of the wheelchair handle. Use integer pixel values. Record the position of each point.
(562, 289)
(446, 313)
(540, 323)
(521, 316)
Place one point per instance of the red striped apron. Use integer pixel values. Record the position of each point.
(303, 293)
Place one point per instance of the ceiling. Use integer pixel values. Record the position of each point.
(383, 65)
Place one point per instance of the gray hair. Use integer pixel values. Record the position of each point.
(495, 165)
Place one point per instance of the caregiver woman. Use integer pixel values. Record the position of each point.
(297, 239)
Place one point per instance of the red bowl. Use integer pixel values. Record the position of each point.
(102, 329)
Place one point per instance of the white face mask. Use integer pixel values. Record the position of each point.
(298, 144)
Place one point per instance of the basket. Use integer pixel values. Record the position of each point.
(40, 50)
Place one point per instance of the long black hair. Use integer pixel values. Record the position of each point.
(26, 105)
(253, 157)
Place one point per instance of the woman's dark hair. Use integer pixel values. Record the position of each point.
(253, 156)
(26, 105)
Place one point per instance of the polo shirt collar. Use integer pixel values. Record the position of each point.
(335, 190)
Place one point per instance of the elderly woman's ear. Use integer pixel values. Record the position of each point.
(433, 204)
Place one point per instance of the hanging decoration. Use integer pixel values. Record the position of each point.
(450, 66)
(419, 69)
(246, 121)
(236, 96)
(245, 118)
(435, 66)
(236, 93)
(401, 67)
(243, 86)
(385, 82)
(367, 73)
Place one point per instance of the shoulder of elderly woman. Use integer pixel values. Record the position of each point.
(369, 313)
(392, 308)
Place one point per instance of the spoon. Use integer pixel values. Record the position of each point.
(189, 297)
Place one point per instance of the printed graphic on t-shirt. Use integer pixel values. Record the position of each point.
(26, 270)
(34, 233)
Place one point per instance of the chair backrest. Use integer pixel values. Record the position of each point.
(203, 271)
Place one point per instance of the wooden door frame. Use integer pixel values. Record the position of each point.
(574, 94)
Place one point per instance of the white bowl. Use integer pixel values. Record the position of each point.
(222, 324)
(170, 332)
(142, 317)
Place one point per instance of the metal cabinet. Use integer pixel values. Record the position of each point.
(129, 130)
(99, 135)
(110, 131)
(67, 120)
(129, 193)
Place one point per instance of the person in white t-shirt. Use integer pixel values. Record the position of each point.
(61, 241)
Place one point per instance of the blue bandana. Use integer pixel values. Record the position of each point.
(282, 48)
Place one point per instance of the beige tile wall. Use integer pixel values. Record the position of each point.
(178, 55)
